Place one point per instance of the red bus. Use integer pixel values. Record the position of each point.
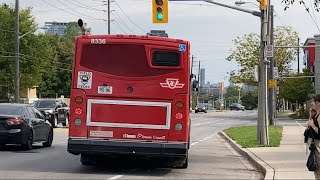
(130, 96)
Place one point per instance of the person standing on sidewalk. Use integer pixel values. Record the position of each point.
(313, 122)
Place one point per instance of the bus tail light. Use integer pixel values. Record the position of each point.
(178, 127)
(179, 104)
(77, 122)
(78, 111)
(79, 100)
(179, 116)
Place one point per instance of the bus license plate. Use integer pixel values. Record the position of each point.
(104, 89)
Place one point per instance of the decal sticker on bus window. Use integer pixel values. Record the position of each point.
(84, 80)
(101, 133)
(172, 83)
(104, 89)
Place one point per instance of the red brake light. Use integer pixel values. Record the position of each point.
(14, 121)
(78, 111)
(179, 116)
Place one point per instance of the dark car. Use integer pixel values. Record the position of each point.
(55, 111)
(23, 124)
(201, 108)
(236, 106)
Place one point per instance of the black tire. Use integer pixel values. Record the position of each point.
(184, 163)
(48, 143)
(29, 142)
(66, 123)
(2, 146)
(55, 121)
(86, 160)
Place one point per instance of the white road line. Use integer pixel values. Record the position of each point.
(299, 123)
(202, 140)
(116, 177)
(202, 123)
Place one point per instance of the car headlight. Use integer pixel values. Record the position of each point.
(49, 111)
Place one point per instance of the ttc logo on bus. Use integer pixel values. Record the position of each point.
(172, 83)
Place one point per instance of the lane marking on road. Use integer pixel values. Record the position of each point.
(116, 177)
(202, 123)
(202, 140)
(299, 123)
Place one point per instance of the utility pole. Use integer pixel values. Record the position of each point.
(191, 81)
(16, 55)
(298, 53)
(199, 90)
(108, 16)
(262, 129)
(272, 91)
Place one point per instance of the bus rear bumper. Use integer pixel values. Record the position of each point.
(104, 147)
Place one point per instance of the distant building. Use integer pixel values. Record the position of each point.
(202, 77)
(58, 28)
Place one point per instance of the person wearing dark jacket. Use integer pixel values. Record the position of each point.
(313, 123)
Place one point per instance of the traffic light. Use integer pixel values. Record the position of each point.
(239, 88)
(160, 11)
(263, 4)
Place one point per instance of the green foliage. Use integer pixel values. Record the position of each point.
(247, 52)
(297, 89)
(45, 60)
(250, 99)
(246, 136)
(34, 52)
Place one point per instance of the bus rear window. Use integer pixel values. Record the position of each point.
(166, 58)
(122, 60)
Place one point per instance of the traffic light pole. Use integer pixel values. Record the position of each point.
(262, 128)
(262, 124)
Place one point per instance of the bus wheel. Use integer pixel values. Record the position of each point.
(86, 160)
(182, 163)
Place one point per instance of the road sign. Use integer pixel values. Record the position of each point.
(272, 83)
(269, 50)
(275, 73)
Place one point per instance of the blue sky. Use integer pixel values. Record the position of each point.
(209, 28)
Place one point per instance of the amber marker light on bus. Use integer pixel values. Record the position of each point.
(79, 99)
(179, 104)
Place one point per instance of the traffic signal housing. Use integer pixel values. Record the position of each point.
(263, 4)
(160, 11)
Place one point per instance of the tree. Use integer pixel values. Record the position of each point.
(34, 53)
(58, 81)
(247, 52)
(250, 100)
(315, 4)
(297, 89)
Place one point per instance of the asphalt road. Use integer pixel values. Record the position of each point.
(209, 157)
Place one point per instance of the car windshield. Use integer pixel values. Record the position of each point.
(200, 106)
(44, 104)
(10, 110)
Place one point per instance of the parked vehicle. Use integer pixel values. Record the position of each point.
(55, 111)
(201, 108)
(23, 124)
(236, 106)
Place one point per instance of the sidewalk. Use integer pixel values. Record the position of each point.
(285, 162)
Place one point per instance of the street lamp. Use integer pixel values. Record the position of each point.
(239, 3)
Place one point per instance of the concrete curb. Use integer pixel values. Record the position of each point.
(267, 170)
